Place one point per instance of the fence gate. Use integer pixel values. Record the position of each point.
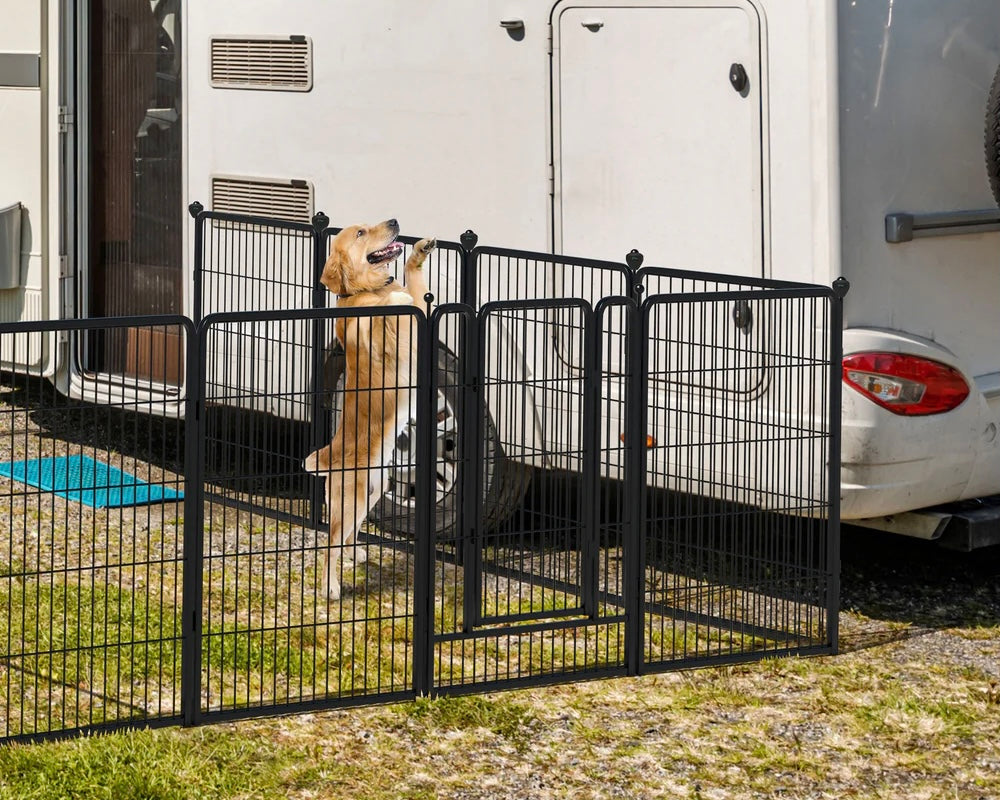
(528, 583)
(270, 636)
(739, 392)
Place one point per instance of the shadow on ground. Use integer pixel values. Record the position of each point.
(914, 586)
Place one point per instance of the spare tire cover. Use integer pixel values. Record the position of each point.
(993, 137)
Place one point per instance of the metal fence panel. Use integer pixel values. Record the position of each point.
(738, 511)
(92, 512)
(530, 589)
(275, 632)
(573, 483)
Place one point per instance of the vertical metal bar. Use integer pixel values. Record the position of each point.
(317, 418)
(590, 457)
(467, 354)
(473, 405)
(472, 479)
(836, 333)
(634, 521)
(192, 532)
(196, 210)
(467, 350)
(634, 532)
(423, 560)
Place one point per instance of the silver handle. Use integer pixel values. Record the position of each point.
(902, 227)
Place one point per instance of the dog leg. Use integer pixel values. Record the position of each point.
(353, 552)
(348, 501)
(416, 279)
(378, 482)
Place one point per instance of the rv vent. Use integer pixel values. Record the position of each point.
(260, 62)
(260, 197)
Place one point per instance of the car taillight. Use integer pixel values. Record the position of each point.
(906, 384)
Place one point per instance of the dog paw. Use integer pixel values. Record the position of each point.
(317, 462)
(333, 590)
(355, 555)
(424, 246)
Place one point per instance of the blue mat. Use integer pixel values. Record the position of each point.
(86, 481)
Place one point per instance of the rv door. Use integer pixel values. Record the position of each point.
(657, 144)
(657, 140)
(35, 158)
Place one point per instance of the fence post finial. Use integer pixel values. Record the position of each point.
(195, 208)
(320, 221)
(469, 240)
(634, 259)
(841, 287)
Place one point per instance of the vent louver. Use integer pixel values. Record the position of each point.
(290, 200)
(259, 62)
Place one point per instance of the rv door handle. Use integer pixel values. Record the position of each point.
(739, 79)
(593, 25)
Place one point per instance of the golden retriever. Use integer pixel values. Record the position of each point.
(380, 380)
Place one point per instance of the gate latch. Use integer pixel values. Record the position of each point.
(742, 315)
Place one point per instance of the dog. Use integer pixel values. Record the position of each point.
(378, 394)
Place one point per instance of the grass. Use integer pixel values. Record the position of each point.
(876, 722)
(503, 715)
(153, 765)
(84, 653)
(81, 653)
(97, 651)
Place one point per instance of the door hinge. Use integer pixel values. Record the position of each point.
(552, 180)
(67, 119)
(65, 289)
(550, 39)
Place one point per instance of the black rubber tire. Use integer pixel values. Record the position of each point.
(506, 481)
(993, 137)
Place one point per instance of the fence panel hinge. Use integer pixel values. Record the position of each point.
(66, 119)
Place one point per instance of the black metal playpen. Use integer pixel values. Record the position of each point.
(604, 469)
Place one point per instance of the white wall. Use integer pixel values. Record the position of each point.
(430, 112)
(23, 168)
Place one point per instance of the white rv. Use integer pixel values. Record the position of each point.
(792, 139)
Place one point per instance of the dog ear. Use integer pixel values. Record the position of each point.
(333, 273)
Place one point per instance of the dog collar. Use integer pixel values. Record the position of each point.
(388, 280)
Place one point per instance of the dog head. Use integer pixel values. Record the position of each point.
(360, 256)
